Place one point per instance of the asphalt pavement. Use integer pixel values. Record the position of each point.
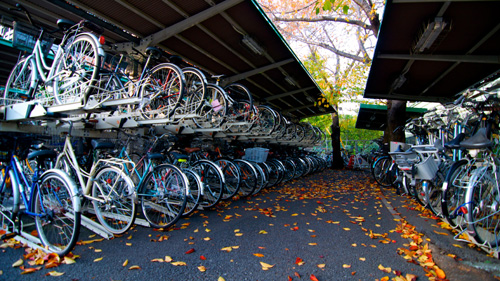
(333, 225)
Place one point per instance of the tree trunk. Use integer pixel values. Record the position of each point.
(337, 161)
(396, 119)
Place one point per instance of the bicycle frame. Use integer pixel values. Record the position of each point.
(69, 154)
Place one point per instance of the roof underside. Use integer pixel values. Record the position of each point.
(374, 117)
(464, 53)
(207, 34)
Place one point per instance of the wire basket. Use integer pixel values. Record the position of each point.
(25, 37)
(427, 169)
(256, 154)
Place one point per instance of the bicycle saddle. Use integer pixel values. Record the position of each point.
(99, 144)
(455, 143)
(64, 24)
(477, 141)
(42, 154)
(154, 52)
(191, 149)
(153, 155)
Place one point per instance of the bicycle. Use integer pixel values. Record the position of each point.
(71, 76)
(52, 198)
(162, 188)
(106, 185)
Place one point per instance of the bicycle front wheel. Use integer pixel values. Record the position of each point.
(213, 182)
(77, 71)
(483, 209)
(57, 209)
(232, 177)
(20, 85)
(454, 190)
(114, 205)
(163, 195)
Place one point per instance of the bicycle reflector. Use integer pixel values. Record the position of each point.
(102, 40)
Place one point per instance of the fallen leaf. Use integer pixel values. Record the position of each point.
(321, 265)
(384, 269)
(134, 267)
(362, 259)
(154, 260)
(266, 266)
(178, 263)
(346, 228)
(299, 261)
(227, 249)
(262, 232)
(125, 263)
(30, 270)
(201, 268)
(346, 266)
(168, 259)
(258, 255)
(98, 259)
(202, 257)
(313, 244)
(190, 251)
(19, 262)
(221, 279)
(68, 260)
(313, 278)
(54, 273)
(440, 273)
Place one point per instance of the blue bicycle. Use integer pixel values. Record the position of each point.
(50, 196)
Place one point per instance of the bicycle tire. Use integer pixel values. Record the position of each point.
(248, 177)
(163, 195)
(261, 178)
(194, 192)
(381, 171)
(20, 85)
(482, 198)
(77, 71)
(163, 88)
(196, 90)
(454, 191)
(213, 109)
(419, 193)
(213, 182)
(117, 211)
(232, 177)
(58, 213)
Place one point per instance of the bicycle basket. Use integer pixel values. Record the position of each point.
(24, 37)
(427, 169)
(256, 154)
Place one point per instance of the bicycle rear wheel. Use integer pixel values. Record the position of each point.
(248, 177)
(77, 71)
(213, 182)
(213, 109)
(114, 204)
(454, 191)
(194, 192)
(57, 209)
(232, 177)
(196, 88)
(163, 195)
(163, 88)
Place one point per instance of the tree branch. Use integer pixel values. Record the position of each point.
(326, 18)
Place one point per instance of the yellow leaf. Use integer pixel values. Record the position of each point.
(221, 278)
(346, 229)
(238, 234)
(19, 262)
(385, 278)
(321, 265)
(156, 260)
(201, 268)
(207, 230)
(235, 247)
(98, 259)
(55, 273)
(178, 263)
(266, 266)
(97, 250)
(294, 215)
(128, 244)
(456, 245)
(384, 269)
(258, 255)
(346, 266)
(207, 238)
(130, 237)
(227, 249)
(262, 232)
(362, 259)
(236, 230)
(168, 259)
(440, 273)
(134, 267)
(125, 263)
(68, 260)
(313, 244)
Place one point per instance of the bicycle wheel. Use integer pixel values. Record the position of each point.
(20, 85)
(248, 177)
(266, 121)
(213, 109)
(276, 173)
(194, 192)
(196, 88)
(261, 178)
(433, 196)
(381, 171)
(213, 182)
(77, 71)
(483, 198)
(289, 169)
(163, 195)
(419, 193)
(454, 190)
(162, 89)
(232, 177)
(114, 199)
(58, 214)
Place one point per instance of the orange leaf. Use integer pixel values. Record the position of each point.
(298, 260)
(440, 273)
(258, 255)
(201, 268)
(290, 278)
(313, 278)
(297, 274)
(29, 270)
(134, 267)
